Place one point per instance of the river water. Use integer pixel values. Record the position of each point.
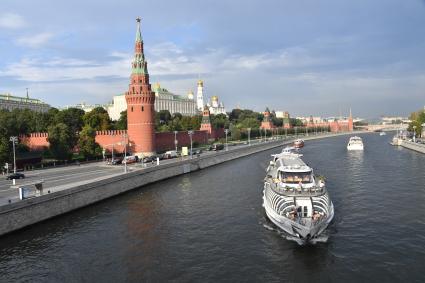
(210, 226)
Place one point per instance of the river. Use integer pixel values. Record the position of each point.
(210, 226)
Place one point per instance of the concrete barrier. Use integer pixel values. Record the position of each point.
(27, 212)
(413, 146)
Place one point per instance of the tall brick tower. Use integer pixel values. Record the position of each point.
(140, 103)
(267, 122)
(206, 123)
(350, 122)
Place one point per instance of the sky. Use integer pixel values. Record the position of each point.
(307, 57)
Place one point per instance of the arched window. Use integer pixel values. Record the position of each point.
(143, 109)
(131, 108)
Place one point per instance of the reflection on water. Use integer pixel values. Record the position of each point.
(210, 226)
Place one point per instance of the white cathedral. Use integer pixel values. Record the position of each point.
(213, 105)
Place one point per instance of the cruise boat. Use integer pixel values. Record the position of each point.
(299, 143)
(382, 133)
(294, 199)
(355, 143)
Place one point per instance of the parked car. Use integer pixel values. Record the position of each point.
(170, 154)
(16, 175)
(130, 159)
(217, 146)
(147, 159)
(116, 161)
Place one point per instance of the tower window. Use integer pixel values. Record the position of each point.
(131, 108)
(143, 109)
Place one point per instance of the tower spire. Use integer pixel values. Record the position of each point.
(139, 65)
(138, 32)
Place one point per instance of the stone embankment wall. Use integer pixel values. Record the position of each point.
(27, 212)
(414, 146)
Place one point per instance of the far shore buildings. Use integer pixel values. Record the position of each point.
(11, 102)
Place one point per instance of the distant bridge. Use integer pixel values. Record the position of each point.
(389, 127)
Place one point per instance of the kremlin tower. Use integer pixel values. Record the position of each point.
(267, 122)
(206, 123)
(140, 103)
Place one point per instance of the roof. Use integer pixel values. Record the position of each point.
(20, 99)
(291, 162)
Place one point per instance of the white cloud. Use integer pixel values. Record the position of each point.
(34, 41)
(11, 21)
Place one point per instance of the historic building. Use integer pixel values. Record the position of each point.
(200, 96)
(165, 100)
(267, 122)
(118, 105)
(215, 106)
(10, 102)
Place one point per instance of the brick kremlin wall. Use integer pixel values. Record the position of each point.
(164, 141)
(35, 141)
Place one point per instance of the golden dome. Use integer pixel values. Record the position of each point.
(200, 83)
(214, 98)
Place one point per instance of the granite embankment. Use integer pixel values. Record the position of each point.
(414, 146)
(18, 215)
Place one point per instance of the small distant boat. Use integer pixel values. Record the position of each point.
(355, 143)
(299, 143)
(382, 134)
(396, 140)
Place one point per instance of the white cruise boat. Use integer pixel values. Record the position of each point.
(294, 199)
(355, 143)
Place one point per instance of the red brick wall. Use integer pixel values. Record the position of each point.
(108, 138)
(35, 141)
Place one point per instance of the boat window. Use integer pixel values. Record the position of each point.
(296, 177)
(305, 211)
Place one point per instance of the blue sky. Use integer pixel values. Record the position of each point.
(306, 57)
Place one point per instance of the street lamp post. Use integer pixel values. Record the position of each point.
(14, 140)
(286, 133)
(175, 139)
(306, 131)
(249, 136)
(190, 136)
(414, 133)
(124, 136)
(296, 133)
(226, 131)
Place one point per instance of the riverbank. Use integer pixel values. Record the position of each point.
(413, 146)
(18, 215)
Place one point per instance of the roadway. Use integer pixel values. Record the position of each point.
(60, 178)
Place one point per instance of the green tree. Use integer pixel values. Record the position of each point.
(98, 119)
(87, 142)
(72, 117)
(61, 141)
(121, 124)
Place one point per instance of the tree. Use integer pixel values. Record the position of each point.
(121, 124)
(98, 119)
(164, 116)
(72, 117)
(87, 142)
(219, 121)
(61, 141)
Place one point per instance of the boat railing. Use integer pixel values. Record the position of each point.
(298, 191)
